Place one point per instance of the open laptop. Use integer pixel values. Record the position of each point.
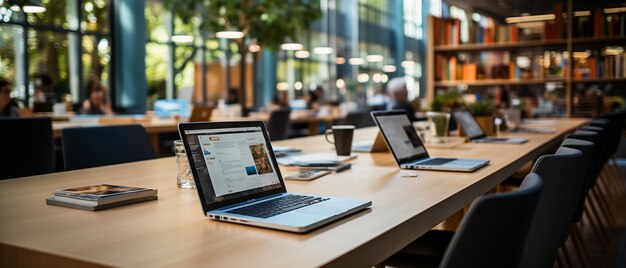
(409, 151)
(371, 147)
(476, 134)
(200, 113)
(238, 180)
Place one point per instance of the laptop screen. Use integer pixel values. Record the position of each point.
(232, 162)
(469, 124)
(401, 136)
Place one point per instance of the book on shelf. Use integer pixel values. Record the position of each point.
(502, 65)
(609, 63)
(102, 196)
(600, 24)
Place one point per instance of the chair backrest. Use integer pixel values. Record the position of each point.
(359, 119)
(278, 125)
(562, 185)
(494, 231)
(587, 149)
(591, 174)
(27, 147)
(603, 126)
(100, 146)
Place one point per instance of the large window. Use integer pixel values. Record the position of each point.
(63, 49)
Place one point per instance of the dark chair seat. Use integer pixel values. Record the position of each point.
(100, 146)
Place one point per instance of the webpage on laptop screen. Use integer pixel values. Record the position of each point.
(237, 161)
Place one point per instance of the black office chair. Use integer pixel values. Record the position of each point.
(100, 146)
(278, 125)
(479, 241)
(358, 119)
(27, 147)
(587, 148)
(592, 172)
(563, 174)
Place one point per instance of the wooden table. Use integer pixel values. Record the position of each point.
(156, 126)
(296, 117)
(173, 232)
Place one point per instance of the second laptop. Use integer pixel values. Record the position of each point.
(408, 149)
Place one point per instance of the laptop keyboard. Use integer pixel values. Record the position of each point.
(277, 206)
(437, 161)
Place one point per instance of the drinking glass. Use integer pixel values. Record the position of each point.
(184, 178)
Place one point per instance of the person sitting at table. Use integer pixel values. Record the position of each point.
(312, 100)
(280, 101)
(400, 97)
(43, 90)
(232, 96)
(8, 106)
(98, 101)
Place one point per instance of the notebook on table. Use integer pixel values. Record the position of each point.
(238, 180)
(408, 149)
(476, 134)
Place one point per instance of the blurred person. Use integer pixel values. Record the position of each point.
(232, 96)
(43, 89)
(312, 100)
(8, 106)
(280, 101)
(379, 99)
(98, 101)
(399, 97)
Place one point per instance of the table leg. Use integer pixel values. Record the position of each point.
(314, 127)
(154, 139)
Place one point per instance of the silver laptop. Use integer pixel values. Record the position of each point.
(238, 180)
(476, 134)
(371, 147)
(409, 151)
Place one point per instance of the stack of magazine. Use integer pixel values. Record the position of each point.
(101, 196)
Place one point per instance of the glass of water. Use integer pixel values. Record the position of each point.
(184, 178)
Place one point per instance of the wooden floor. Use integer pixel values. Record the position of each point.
(615, 255)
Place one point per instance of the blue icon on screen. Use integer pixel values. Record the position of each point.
(251, 170)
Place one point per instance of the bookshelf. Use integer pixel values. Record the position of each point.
(491, 57)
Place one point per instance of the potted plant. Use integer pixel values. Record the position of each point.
(483, 111)
(438, 120)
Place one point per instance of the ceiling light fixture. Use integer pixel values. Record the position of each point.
(182, 38)
(375, 58)
(615, 10)
(323, 50)
(530, 18)
(291, 46)
(28, 6)
(356, 61)
(389, 68)
(229, 34)
(302, 54)
(582, 13)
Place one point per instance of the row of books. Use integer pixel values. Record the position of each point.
(101, 196)
(500, 65)
(599, 24)
(447, 31)
(600, 66)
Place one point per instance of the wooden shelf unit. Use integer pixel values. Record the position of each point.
(568, 44)
(495, 82)
(499, 46)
